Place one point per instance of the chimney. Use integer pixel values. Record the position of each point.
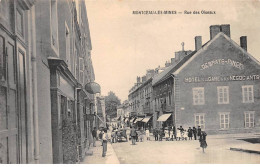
(143, 79)
(138, 79)
(172, 60)
(198, 43)
(177, 56)
(214, 30)
(243, 42)
(225, 28)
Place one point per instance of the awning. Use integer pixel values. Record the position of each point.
(138, 119)
(132, 120)
(164, 117)
(126, 120)
(146, 119)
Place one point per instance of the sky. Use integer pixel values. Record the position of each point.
(125, 45)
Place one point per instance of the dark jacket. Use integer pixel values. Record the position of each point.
(194, 130)
(94, 133)
(199, 131)
(133, 133)
(189, 132)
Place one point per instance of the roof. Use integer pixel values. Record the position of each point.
(205, 46)
(168, 71)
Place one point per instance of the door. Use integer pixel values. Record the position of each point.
(9, 150)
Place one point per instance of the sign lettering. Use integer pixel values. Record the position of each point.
(197, 79)
(229, 62)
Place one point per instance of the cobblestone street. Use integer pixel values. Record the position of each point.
(178, 152)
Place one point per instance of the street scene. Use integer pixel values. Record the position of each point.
(129, 82)
(179, 152)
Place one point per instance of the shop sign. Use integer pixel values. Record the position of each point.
(229, 62)
(197, 79)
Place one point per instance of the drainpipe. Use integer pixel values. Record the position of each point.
(35, 94)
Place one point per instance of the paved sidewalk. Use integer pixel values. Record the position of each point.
(97, 158)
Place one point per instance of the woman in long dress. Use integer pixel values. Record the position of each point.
(203, 143)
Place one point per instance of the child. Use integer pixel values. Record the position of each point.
(185, 134)
(147, 133)
(178, 136)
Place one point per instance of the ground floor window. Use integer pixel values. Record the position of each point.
(200, 120)
(249, 119)
(224, 120)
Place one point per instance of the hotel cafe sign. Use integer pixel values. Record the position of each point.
(196, 79)
(229, 62)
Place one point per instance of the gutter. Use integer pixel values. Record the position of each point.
(35, 92)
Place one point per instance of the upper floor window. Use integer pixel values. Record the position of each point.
(81, 70)
(198, 96)
(248, 93)
(20, 22)
(54, 24)
(67, 36)
(223, 94)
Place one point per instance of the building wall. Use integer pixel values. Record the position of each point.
(221, 48)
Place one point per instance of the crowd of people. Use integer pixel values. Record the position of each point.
(114, 135)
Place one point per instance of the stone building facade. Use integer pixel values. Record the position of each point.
(218, 86)
(45, 64)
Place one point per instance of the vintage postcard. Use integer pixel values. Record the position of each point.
(129, 82)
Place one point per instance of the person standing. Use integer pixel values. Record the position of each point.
(190, 133)
(199, 132)
(161, 134)
(133, 135)
(155, 133)
(194, 131)
(94, 134)
(104, 143)
(113, 135)
(181, 135)
(203, 143)
(147, 133)
(173, 133)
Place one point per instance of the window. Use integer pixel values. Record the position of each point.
(170, 99)
(199, 120)
(19, 22)
(248, 93)
(76, 63)
(67, 36)
(223, 94)
(224, 120)
(54, 24)
(249, 119)
(198, 96)
(81, 70)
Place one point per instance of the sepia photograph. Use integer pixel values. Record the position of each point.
(130, 82)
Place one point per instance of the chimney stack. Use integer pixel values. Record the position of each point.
(243, 42)
(172, 60)
(214, 30)
(225, 28)
(198, 43)
(138, 79)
